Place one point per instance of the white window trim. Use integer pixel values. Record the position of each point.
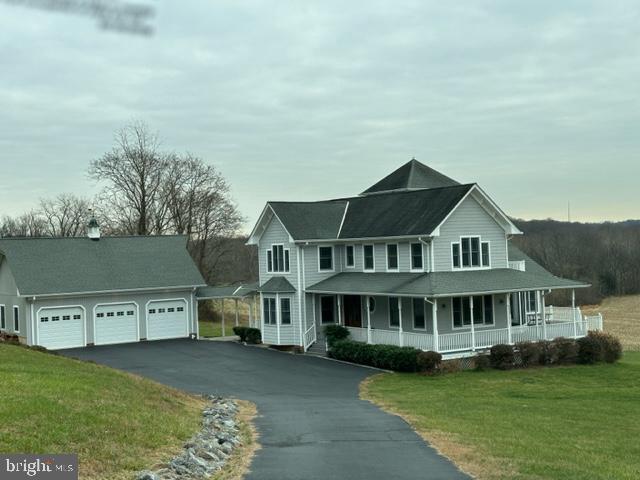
(416, 270)
(333, 259)
(264, 316)
(333, 300)
(364, 263)
(266, 258)
(459, 242)
(346, 263)
(283, 297)
(393, 327)
(476, 325)
(15, 318)
(386, 254)
(413, 315)
(3, 306)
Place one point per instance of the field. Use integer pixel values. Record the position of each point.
(621, 318)
(117, 423)
(210, 316)
(548, 423)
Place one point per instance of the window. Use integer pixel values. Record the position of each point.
(269, 307)
(532, 306)
(171, 309)
(277, 259)
(369, 260)
(66, 317)
(120, 314)
(77, 317)
(285, 311)
(101, 315)
(350, 256)
(130, 313)
(161, 310)
(482, 311)
(16, 319)
(392, 256)
(3, 320)
(325, 258)
(152, 310)
(55, 318)
(394, 312)
(372, 304)
(180, 309)
(109, 314)
(326, 310)
(44, 319)
(419, 320)
(416, 256)
(470, 252)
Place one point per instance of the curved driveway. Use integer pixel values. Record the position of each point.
(311, 423)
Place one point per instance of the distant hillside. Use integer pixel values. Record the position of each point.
(607, 254)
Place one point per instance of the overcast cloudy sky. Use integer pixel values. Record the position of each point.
(538, 102)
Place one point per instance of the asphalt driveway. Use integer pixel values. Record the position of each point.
(311, 423)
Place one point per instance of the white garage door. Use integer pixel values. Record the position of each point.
(61, 327)
(116, 323)
(167, 319)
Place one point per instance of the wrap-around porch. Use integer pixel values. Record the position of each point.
(460, 324)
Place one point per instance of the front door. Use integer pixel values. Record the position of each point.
(352, 311)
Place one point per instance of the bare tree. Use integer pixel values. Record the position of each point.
(29, 224)
(133, 170)
(64, 216)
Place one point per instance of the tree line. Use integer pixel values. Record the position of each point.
(606, 255)
(145, 191)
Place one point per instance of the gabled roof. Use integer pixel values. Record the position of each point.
(50, 266)
(277, 285)
(311, 220)
(410, 176)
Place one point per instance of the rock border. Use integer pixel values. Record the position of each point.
(207, 452)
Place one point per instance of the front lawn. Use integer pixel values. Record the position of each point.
(579, 422)
(116, 422)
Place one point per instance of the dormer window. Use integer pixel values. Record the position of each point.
(278, 259)
(470, 252)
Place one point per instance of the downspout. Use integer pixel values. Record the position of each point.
(33, 339)
(302, 339)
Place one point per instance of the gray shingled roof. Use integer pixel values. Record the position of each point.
(45, 266)
(436, 284)
(277, 285)
(415, 212)
(411, 175)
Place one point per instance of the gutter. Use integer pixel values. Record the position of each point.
(103, 292)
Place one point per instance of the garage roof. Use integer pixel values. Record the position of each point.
(51, 266)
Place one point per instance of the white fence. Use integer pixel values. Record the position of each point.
(310, 337)
(482, 338)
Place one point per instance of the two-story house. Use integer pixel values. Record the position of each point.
(417, 259)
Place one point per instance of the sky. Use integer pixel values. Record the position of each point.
(537, 102)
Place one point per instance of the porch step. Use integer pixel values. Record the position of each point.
(318, 348)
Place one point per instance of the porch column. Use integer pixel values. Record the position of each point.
(573, 311)
(509, 319)
(313, 305)
(434, 321)
(339, 309)
(250, 304)
(367, 298)
(236, 302)
(538, 301)
(223, 332)
(473, 327)
(278, 317)
(262, 315)
(400, 321)
(544, 320)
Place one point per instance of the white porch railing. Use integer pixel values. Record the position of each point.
(484, 338)
(310, 337)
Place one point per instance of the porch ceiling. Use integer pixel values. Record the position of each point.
(441, 284)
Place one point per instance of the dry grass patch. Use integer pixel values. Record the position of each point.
(621, 317)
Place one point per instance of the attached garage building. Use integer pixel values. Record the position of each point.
(72, 292)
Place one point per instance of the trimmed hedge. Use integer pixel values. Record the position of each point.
(335, 333)
(429, 362)
(599, 347)
(388, 357)
(529, 352)
(248, 334)
(502, 357)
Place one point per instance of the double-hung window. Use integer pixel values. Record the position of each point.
(3, 319)
(350, 256)
(470, 252)
(419, 319)
(394, 312)
(278, 259)
(325, 259)
(416, 257)
(16, 319)
(392, 257)
(269, 311)
(369, 259)
(482, 311)
(285, 311)
(532, 304)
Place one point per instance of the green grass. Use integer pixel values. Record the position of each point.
(116, 422)
(579, 422)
